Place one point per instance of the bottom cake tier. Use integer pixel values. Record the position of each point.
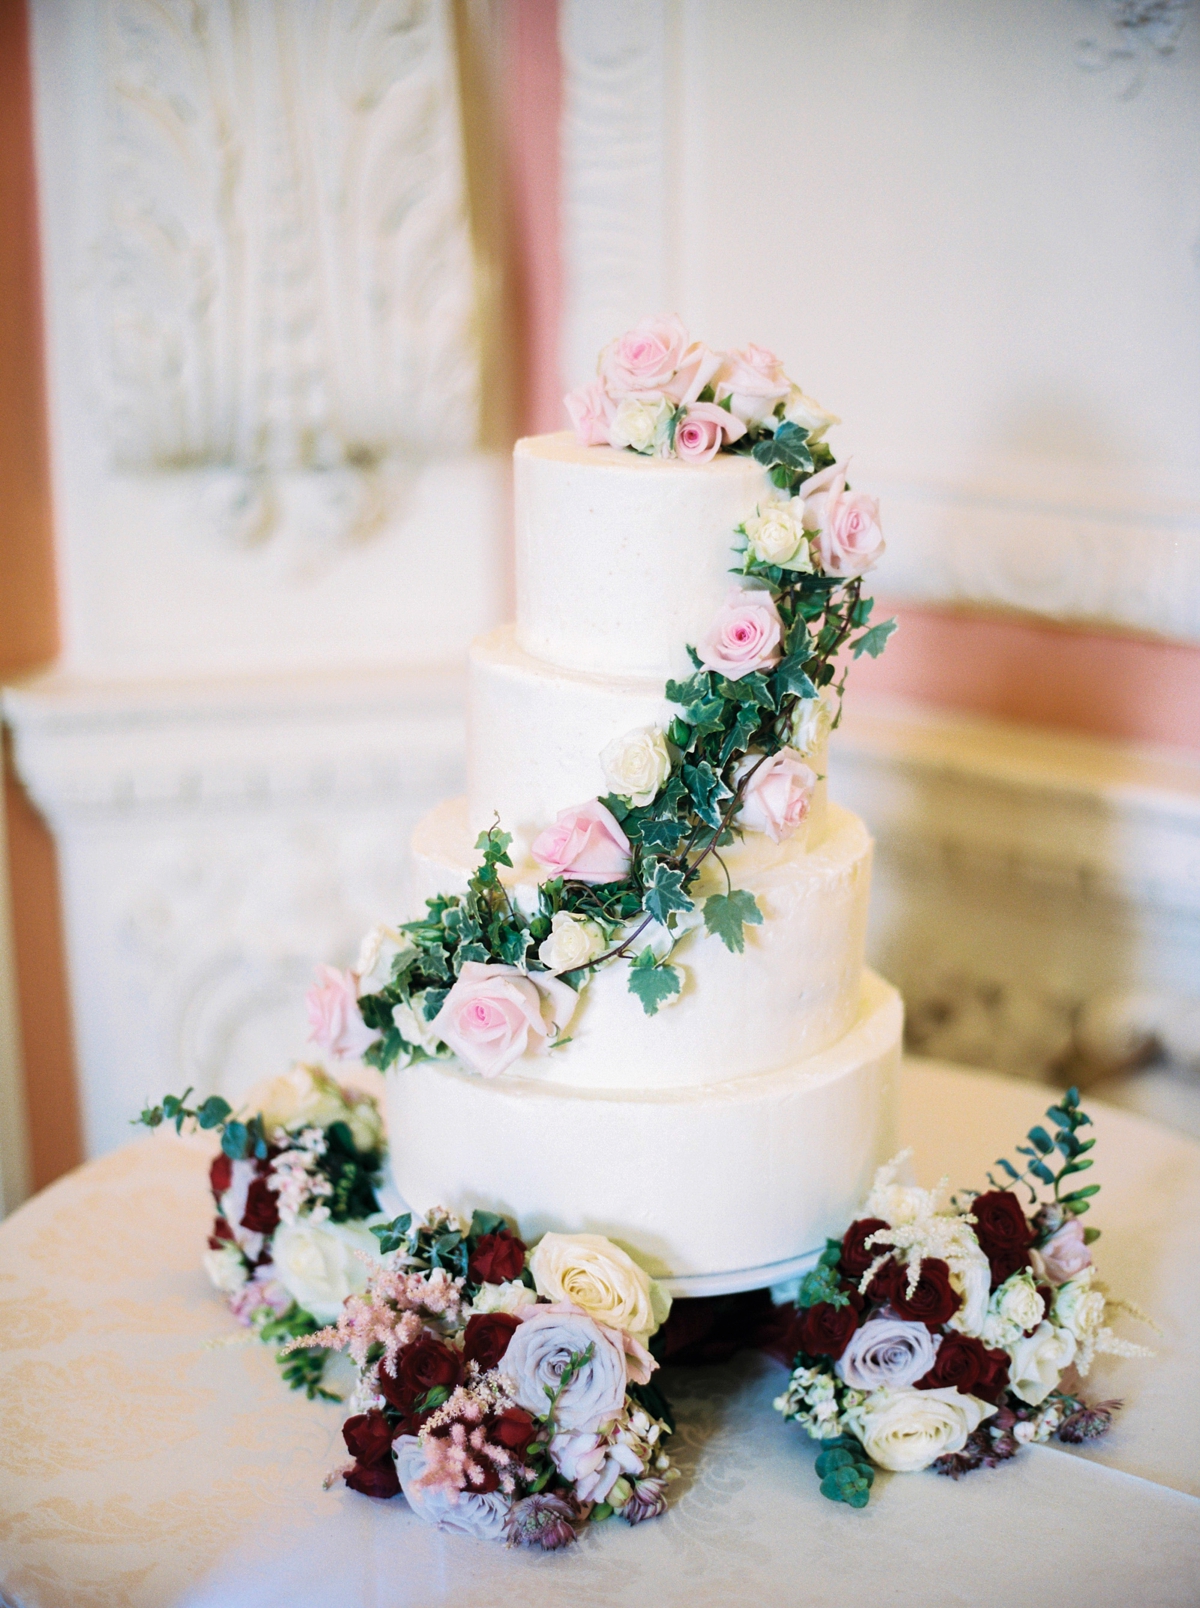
(714, 1188)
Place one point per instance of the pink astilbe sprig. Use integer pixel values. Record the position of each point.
(459, 1454)
(392, 1312)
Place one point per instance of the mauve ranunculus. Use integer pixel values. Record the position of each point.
(745, 635)
(886, 1351)
(753, 382)
(846, 523)
(934, 1300)
(537, 1357)
(704, 430)
(420, 1368)
(334, 1019)
(486, 1337)
(480, 1517)
(777, 795)
(967, 1365)
(824, 1329)
(493, 1014)
(1066, 1254)
(857, 1255)
(645, 358)
(590, 409)
(497, 1258)
(585, 844)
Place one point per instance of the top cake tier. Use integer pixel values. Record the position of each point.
(623, 559)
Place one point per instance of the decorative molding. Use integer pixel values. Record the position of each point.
(1138, 32)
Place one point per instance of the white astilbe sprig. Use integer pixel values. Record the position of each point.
(297, 1182)
(922, 1223)
(392, 1312)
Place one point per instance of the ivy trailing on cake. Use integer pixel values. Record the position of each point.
(488, 980)
(949, 1331)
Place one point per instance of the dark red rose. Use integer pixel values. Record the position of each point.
(368, 1437)
(487, 1335)
(220, 1175)
(420, 1368)
(1003, 1232)
(222, 1233)
(497, 1258)
(857, 1256)
(374, 1479)
(933, 1302)
(824, 1330)
(513, 1428)
(966, 1364)
(262, 1208)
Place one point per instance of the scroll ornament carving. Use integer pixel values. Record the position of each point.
(1138, 32)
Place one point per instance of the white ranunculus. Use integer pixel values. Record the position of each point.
(812, 722)
(379, 949)
(905, 1430)
(573, 942)
(226, 1268)
(637, 766)
(591, 1272)
(470, 1513)
(509, 1297)
(809, 415)
(303, 1097)
(889, 1353)
(413, 1028)
(317, 1265)
(1079, 1307)
(776, 536)
(640, 422)
(1036, 1360)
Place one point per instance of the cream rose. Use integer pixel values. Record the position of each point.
(409, 1018)
(379, 949)
(302, 1097)
(778, 794)
(905, 1430)
(590, 1272)
(812, 722)
(509, 1297)
(226, 1268)
(775, 535)
(802, 411)
(1079, 1308)
(972, 1281)
(317, 1265)
(573, 942)
(640, 422)
(1016, 1303)
(1036, 1360)
(637, 766)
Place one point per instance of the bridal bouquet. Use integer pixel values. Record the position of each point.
(506, 1392)
(294, 1190)
(948, 1331)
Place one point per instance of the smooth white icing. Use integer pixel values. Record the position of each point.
(621, 559)
(709, 1180)
(535, 733)
(792, 992)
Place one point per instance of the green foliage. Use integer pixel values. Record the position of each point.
(438, 1243)
(1044, 1150)
(821, 1283)
(305, 1369)
(728, 914)
(873, 641)
(664, 892)
(845, 1472)
(652, 982)
(239, 1139)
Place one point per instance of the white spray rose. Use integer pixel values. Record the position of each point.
(1079, 1308)
(573, 942)
(809, 415)
(303, 1097)
(317, 1265)
(1037, 1360)
(637, 766)
(226, 1268)
(776, 536)
(509, 1297)
(812, 722)
(1014, 1308)
(379, 949)
(640, 422)
(413, 1028)
(971, 1280)
(905, 1430)
(590, 1272)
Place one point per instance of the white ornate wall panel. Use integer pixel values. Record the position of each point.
(974, 232)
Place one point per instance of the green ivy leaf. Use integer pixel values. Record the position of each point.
(512, 946)
(664, 835)
(791, 678)
(727, 915)
(651, 982)
(706, 718)
(749, 689)
(707, 791)
(664, 893)
(738, 739)
(873, 641)
(788, 448)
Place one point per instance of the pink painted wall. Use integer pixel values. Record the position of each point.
(1106, 683)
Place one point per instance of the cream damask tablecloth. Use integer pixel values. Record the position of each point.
(142, 1466)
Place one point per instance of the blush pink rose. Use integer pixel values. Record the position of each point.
(753, 381)
(697, 368)
(846, 523)
(494, 1014)
(704, 430)
(645, 358)
(745, 635)
(777, 796)
(1065, 1254)
(591, 410)
(334, 1019)
(585, 844)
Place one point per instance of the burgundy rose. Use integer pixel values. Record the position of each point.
(824, 1330)
(513, 1429)
(967, 1365)
(857, 1256)
(374, 1479)
(220, 1175)
(933, 1302)
(261, 1215)
(222, 1234)
(1003, 1233)
(497, 1258)
(369, 1441)
(486, 1338)
(420, 1368)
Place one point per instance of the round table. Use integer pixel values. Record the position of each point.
(146, 1460)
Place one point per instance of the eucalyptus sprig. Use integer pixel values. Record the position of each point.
(1044, 1148)
(239, 1139)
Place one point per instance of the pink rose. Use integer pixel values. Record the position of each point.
(744, 636)
(1065, 1254)
(696, 368)
(585, 844)
(493, 1014)
(334, 1019)
(703, 430)
(591, 411)
(754, 382)
(777, 796)
(846, 523)
(645, 358)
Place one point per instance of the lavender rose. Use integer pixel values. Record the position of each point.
(482, 1518)
(538, 1355)
(887, 1351)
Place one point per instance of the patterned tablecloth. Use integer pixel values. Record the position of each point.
(142, 1465)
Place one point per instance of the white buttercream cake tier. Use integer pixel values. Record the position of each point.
(794, 989)
(728, 1185)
